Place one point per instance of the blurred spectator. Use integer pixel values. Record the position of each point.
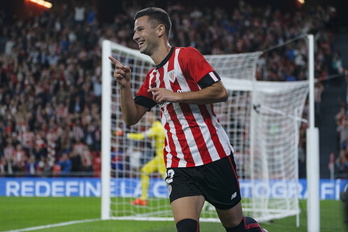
(342, 113)
(118, 164)
(44, 167)
(7, 161)
(6, 168)
(19, 158)
(96, 164)
(337, 67)
(31, 166)
(51, 138)
(79, 15)
(3, 165)
(318, 90)
(342, 160)
(40, 149)
(78, 133)
(90, 137)
(10, 43)
(75, 158)
(65, 164)
(86, 160)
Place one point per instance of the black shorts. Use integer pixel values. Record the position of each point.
(217, 182)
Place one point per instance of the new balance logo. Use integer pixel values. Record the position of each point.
(234, 195)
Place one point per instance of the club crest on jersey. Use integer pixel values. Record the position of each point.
(171, 75)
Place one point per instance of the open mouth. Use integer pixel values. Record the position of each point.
(140, 43)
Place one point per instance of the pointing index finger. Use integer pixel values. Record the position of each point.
(116, 62)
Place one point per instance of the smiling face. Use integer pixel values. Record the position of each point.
(146, 35)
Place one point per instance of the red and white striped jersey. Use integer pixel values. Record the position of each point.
(194, 135)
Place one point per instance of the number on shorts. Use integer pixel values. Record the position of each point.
(170, 175)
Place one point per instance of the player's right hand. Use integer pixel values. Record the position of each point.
(122, 74)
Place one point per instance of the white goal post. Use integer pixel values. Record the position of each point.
(261, 118)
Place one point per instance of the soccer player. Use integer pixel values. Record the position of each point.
(198, 154)
(157, 134)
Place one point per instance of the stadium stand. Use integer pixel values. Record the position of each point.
(50, 80)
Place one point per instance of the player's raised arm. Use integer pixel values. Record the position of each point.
(131, 112)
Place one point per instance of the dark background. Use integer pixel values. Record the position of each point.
(106, 9)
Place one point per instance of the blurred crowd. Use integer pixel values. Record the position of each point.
(341, 161)
(50, 80)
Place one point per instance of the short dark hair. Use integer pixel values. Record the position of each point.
(157, 15)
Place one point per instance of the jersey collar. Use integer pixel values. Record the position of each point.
(165, 59)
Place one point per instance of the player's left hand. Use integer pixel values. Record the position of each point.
(161, 95)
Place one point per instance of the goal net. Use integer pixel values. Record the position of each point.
(261, 118)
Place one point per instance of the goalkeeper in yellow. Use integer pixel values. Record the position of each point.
(157, 134)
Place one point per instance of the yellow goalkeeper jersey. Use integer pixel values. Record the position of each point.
(156, 133)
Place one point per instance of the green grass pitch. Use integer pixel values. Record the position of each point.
(19, 213)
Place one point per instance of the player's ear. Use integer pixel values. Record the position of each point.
(161, 30)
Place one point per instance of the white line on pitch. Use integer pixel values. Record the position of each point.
(53, 225)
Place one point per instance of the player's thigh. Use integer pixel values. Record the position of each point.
(231, 217)
(220, 185)
(187, 207)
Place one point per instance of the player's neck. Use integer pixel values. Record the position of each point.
(161, 53)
